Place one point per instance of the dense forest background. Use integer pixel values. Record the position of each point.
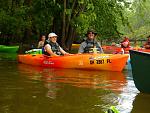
(22, 21)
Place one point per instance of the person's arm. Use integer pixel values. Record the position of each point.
(49, 50)
(62, 51)
(100, 47)
(81, 48)
(39, 44)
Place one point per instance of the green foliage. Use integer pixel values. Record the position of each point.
(82, 22)
(107, 14)
(14, 21)
(138, 17)
(84, 19)
(110, 18)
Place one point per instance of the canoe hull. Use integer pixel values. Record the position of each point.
(140, 63)
(78, 61)
(8, 49)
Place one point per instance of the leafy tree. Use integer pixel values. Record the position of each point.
(138, 15)
(25, 19)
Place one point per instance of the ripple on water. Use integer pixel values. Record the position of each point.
(127, 97)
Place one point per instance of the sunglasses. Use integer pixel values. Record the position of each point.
(90, 33)
(53, 37)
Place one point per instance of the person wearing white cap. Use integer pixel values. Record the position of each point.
(51, 47)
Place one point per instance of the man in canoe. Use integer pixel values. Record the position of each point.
(51, 47)
(147, 44)
(90, 44)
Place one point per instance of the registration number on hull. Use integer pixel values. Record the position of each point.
(102, 61)
(48, 62)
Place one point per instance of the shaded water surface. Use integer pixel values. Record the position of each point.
(29, 89)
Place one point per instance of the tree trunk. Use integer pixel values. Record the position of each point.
(68, 33)
(64, 27)
(71, 37)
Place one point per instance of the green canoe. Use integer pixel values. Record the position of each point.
(8, 49)
(140, 62)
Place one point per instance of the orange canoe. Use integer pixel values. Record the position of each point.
(109, 62)
(116, 50)
(112, 49)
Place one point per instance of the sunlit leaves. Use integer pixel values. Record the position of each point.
(68, 11)
(138, 18)
(90, 7)
(108, 15)
(81, 1)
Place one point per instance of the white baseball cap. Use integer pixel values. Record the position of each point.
(52, 35)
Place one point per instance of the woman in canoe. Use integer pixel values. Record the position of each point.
(90, 44)
(41, 41)
(147, 44)
(51, 47)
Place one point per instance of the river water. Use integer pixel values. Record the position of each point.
(30, 89)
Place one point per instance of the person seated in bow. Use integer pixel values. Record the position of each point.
(147, 44)
(125, 43)
(41, 41)
(51, 47)
(90, 44)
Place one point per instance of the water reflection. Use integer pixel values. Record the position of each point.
(97, 90)
(127, 96)
(8, 56)
(79, 78)
(141, 103)
(30, 89)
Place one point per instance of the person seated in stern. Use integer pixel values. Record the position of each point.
(51, 47)
(90, 44)
(147, 44)
(41, 41)
(125, 43)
